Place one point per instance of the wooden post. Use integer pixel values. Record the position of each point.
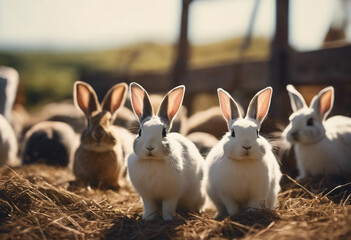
(279, 59)
(181, 62)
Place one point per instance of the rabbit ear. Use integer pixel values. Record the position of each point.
(140, 102)
(115, 98)
(296, 100)
(323, 102)
(85, 98)
(230, 109)
(171, 104)
(259, 105)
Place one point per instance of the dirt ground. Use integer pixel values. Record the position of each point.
(42, 202)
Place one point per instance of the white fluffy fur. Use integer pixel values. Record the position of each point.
(240, 178)
(9, 79)
(8, 143)
(168, 177)
(324, 146)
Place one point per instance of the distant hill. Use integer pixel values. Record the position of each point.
(48, 76)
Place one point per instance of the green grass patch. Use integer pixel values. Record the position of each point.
(48, 76)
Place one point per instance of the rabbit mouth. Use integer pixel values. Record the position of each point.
(99, 146)
(304, 140)
(294, 137)
(246, 154)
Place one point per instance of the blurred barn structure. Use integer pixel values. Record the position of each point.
(330, 65)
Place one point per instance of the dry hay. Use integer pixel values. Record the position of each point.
(41, 202)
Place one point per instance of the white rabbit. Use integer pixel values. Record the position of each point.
(166, 169)
(242, 169)
(321, 146)
(8, 144)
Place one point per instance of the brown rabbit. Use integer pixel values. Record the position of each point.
(100, 160)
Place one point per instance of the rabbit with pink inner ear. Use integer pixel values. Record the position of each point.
(166, 169)
(100, 160)
(242, 169)
(321, 146)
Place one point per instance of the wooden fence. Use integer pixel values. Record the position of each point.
(321, 67)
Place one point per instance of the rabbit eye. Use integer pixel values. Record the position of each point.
(139, 132)
(233, 133)
(164, 132)
(310, 122)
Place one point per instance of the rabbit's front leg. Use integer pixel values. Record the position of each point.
(221, 211)
(231, 205)
(168, 208)
(150, 209)
(255, 204)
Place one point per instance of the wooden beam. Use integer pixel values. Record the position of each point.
(279, 57)
(248, 77)
(181, 62)
(325, 66)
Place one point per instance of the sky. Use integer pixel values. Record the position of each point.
(91, 24)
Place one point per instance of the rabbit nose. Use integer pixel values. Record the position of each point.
(150, 148)
(295, 135)
(247, 148)
(98, 134)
